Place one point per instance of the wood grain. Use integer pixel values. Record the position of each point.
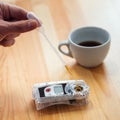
(32, 60)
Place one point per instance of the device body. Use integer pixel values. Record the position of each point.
(71, 92)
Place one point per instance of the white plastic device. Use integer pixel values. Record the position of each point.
(71, 92)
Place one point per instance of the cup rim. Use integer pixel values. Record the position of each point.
(95, 27)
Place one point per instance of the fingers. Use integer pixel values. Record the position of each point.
(7, 43)
(9, 40)
(13, 11)
(13, 20)
(12, 36)
(17, 12)
(22, 26)
(14, 29)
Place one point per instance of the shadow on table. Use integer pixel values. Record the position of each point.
(56, 109)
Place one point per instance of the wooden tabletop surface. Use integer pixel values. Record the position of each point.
(31, 60)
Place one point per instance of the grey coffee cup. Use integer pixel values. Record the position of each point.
(88, 45)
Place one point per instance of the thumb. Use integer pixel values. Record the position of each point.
(22, 26)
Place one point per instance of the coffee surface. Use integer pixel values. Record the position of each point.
(89, 43)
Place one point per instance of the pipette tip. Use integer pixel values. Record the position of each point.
(68, 69)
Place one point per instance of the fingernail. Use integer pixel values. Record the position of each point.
(31, 15)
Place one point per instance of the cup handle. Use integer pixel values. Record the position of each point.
(67, 44)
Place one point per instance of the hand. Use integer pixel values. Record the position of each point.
(13, 22)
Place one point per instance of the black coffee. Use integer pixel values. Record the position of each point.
(89, 43)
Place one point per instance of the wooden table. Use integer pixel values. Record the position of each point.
(31, 60)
